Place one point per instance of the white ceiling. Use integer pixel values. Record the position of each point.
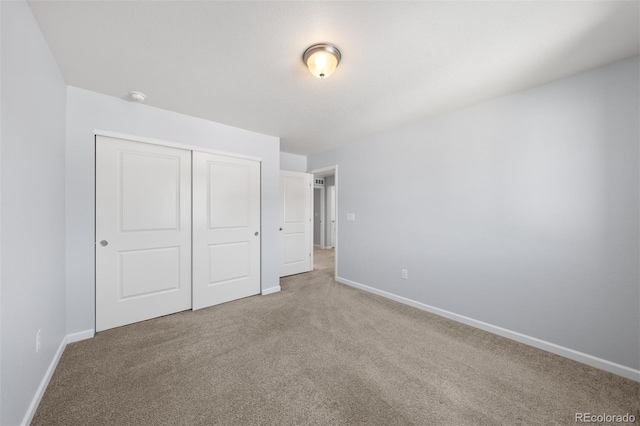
(239, 63)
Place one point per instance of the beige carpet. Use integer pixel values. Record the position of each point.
(320, 353)
(323, 259)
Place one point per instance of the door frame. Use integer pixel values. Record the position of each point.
(328, 227)
(170, 144)
(328, 171)
(322, 215)
(160, 142)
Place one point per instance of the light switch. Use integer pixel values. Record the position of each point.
(351, 217)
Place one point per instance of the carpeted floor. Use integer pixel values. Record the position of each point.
(323, 259)
(320, 353)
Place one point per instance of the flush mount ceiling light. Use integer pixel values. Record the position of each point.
(322, 59)
(137, 96)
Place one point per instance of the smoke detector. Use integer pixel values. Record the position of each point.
(137, 96)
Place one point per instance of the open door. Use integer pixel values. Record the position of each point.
(296, 243)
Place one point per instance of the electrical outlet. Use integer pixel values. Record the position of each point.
(404, 274)
(38, 341)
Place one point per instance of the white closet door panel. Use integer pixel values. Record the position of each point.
(295, 223)
(150, 198)
(230, 261)
(143, 214)
(229, 196)
(226, 226)
(149, 271)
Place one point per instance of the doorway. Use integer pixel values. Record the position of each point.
(326, 223)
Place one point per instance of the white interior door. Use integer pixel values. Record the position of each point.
(226, 226)
(295, 223)
(143, 231)
(332, 216)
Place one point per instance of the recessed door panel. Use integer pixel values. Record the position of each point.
(295, 249)
(150, 191)
(229, 195)
(143, 231)
(295, 206)
(228, 262)
(226, 229)
(147, 272)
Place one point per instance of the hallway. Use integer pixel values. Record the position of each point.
(323, 259)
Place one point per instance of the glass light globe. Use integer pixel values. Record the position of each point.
(322, 64)
(322, 59)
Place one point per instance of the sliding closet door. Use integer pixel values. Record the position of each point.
(143, 231)
(226, 226)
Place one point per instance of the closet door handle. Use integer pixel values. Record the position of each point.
(103, 243)
(256, 234)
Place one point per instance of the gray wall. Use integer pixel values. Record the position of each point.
(521, 212)
(87, 111)
(293, 162)
(33, 96)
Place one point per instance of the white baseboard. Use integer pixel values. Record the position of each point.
(31, 411)
(81, 335)
(69, 338)
(270, 290)
(591, 360)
